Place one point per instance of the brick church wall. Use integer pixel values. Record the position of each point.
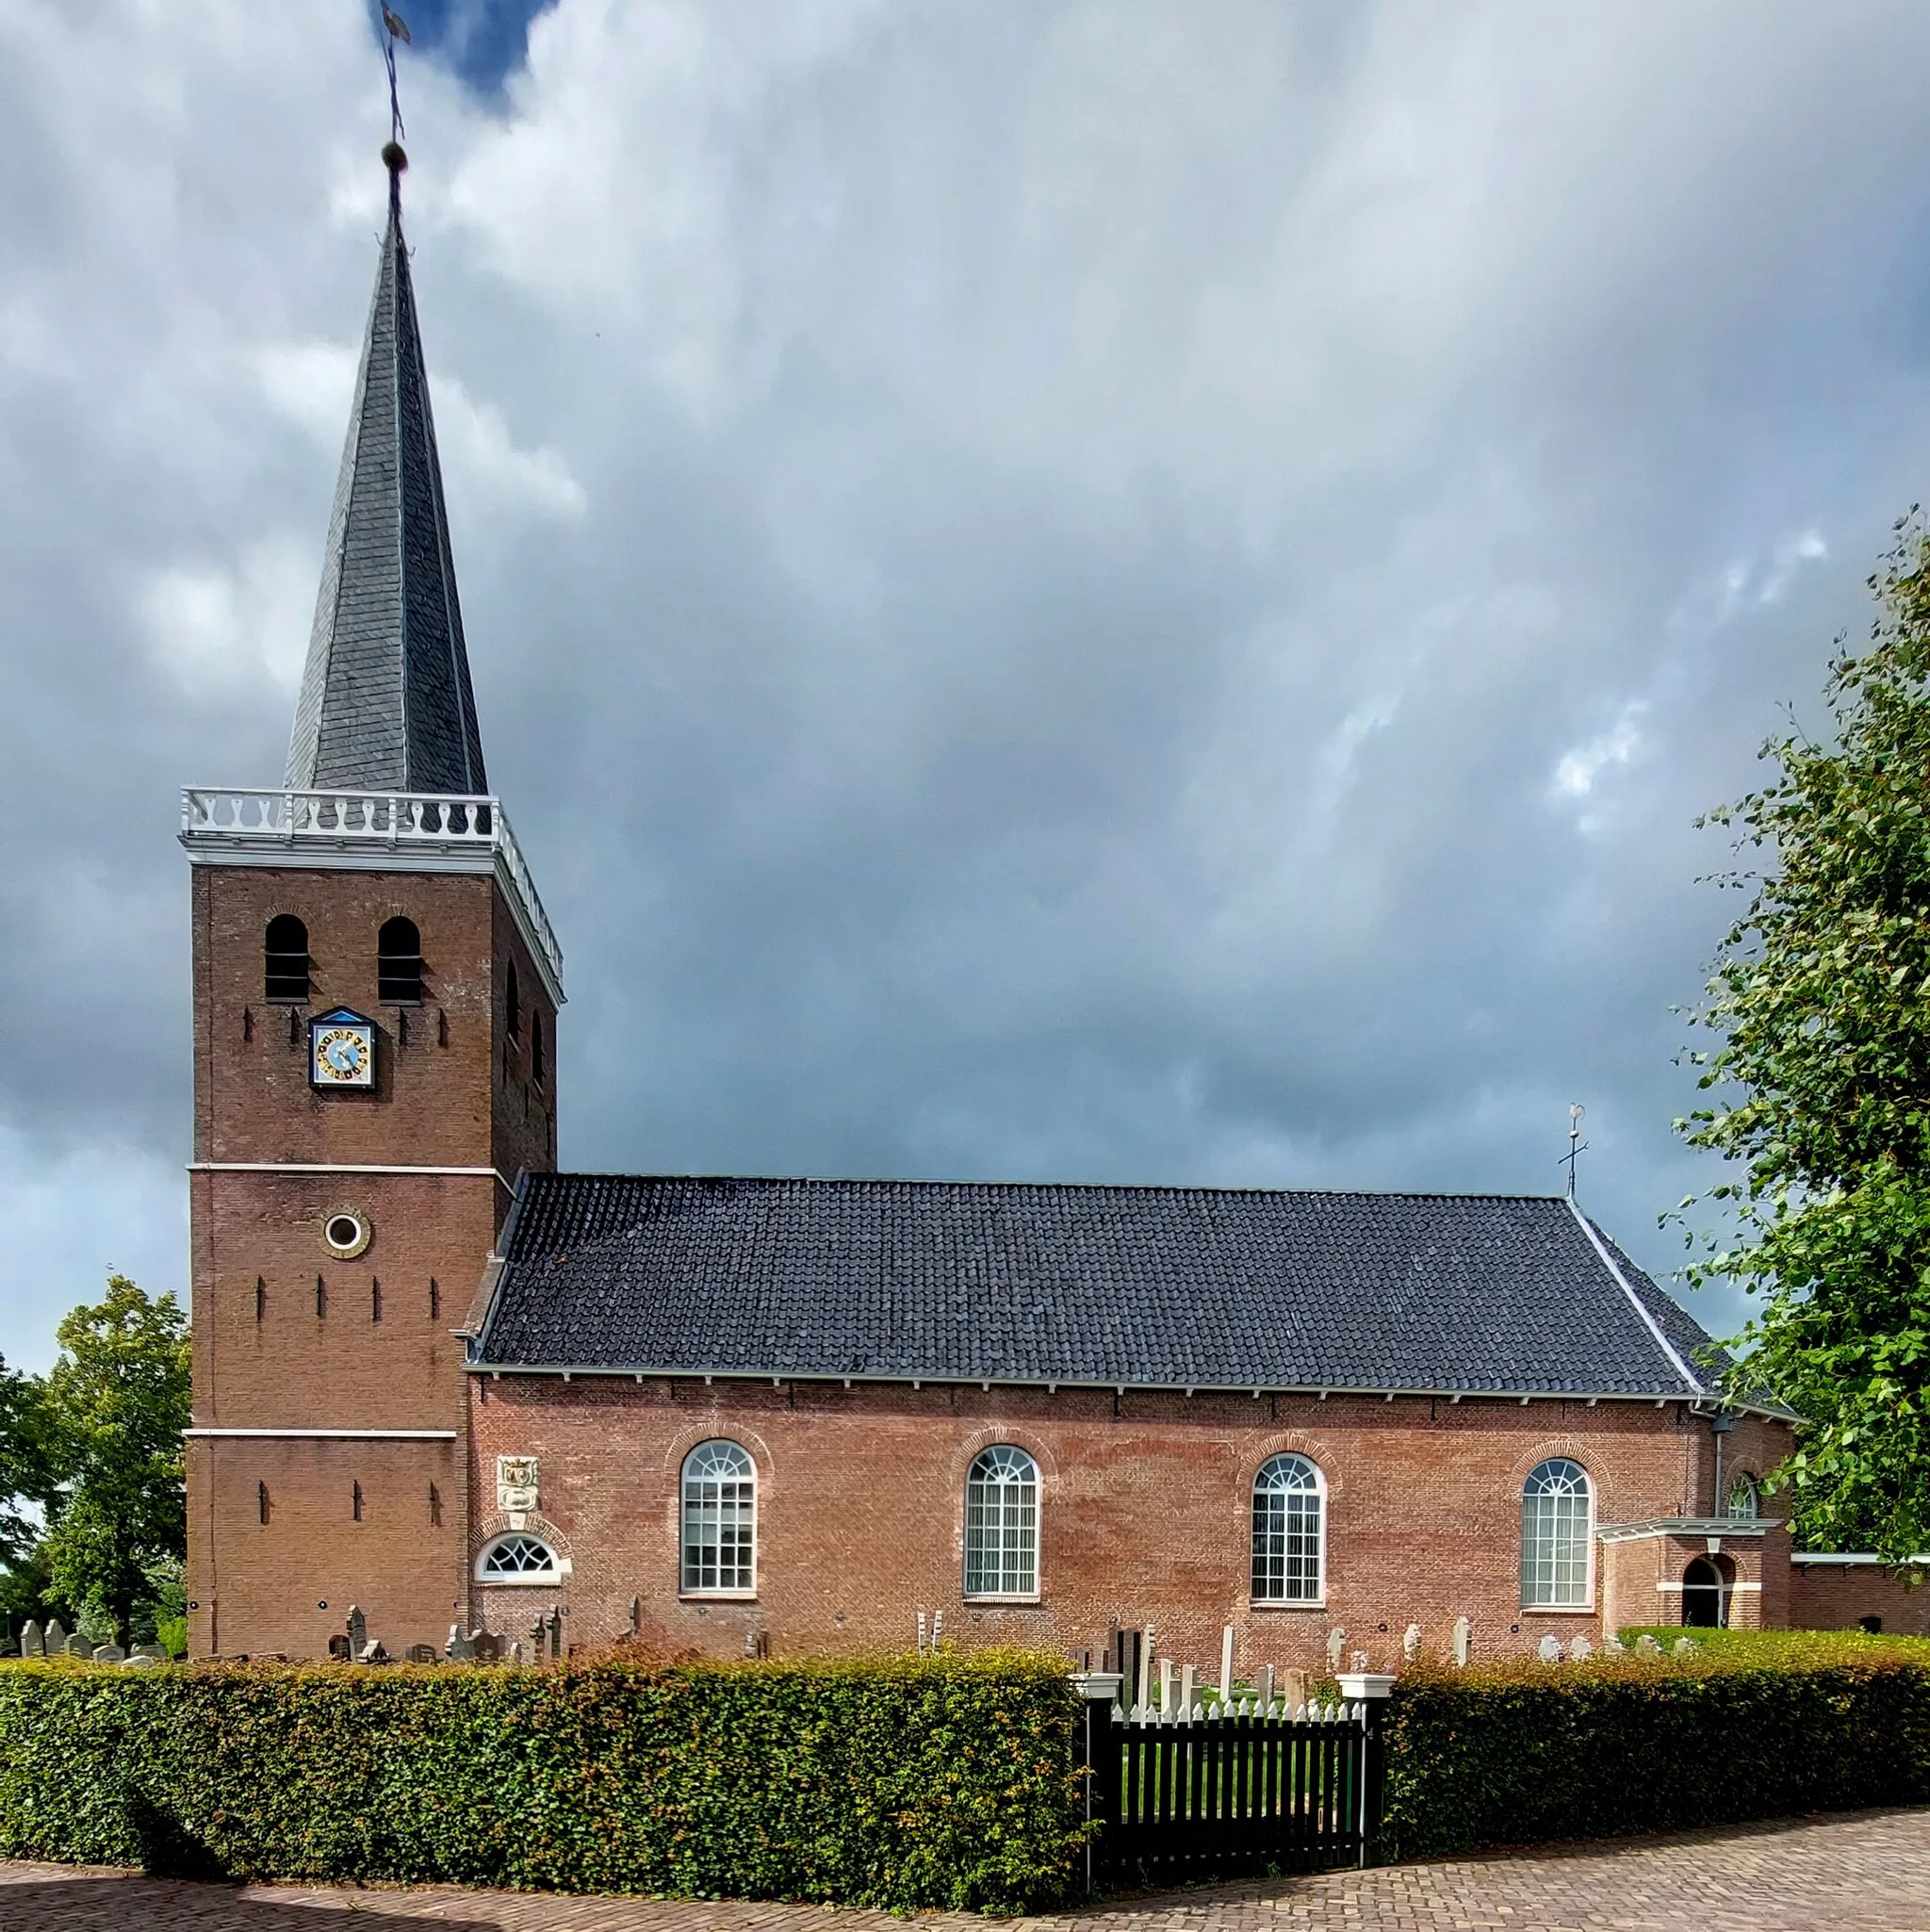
(1145, 1510)
(1838, 1596)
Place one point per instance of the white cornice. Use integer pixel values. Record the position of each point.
(330, 1435)
(372, 831)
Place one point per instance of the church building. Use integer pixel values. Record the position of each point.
(439, 1380)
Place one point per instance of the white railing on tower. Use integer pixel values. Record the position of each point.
(311, 823)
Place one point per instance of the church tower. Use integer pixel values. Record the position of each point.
(375, 993)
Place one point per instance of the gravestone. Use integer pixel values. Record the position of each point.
(32, 1642)
(556, 1631)
(1613, 1647)
(1336, 1649)
(1293, 1687)
(108, 1653)
(339, 1650)
(1647, 1646)
(77, 1646)
(539, 1640)
(515, 1652)
(1265, 1687)
(1464, 1632)
(1686, 1647)
(1550, 1650)
(372, 1652)
(421, 1653)
(152, 1652)
(1362, 1661)
(1580, 1650)
(487, 1646)
(1411, 1644)
(56, 1637)
(137, 1659)
(462, 1648)
(358, 1631)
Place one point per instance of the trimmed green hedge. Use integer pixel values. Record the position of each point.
(1521, 1752)
(895, 1782)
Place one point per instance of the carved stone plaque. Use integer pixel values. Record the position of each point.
(516, 1483)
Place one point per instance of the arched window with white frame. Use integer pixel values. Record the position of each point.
(1744, 1499)
(1002, 1524)
(517, 1558)
(1557, 1522)
(1290, 1531)
(719, 1513)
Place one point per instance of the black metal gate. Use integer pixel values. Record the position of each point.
(1195, 1796)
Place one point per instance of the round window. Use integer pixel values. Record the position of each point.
(346, 1230)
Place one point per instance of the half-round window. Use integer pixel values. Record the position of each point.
(285, 959)
(1557, 1503)
(518, 1559)
(1290, 1531)
(399, 964)
(720, 1531)
(1745, 1499)
(1002, 1524)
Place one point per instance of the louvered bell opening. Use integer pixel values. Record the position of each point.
(285, 959)
(399, 964)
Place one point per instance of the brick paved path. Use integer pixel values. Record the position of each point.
(1861, 1872)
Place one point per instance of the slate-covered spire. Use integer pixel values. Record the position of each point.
(385, 701)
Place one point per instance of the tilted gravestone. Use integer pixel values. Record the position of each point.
(372, 1652)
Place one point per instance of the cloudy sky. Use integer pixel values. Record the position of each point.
(1101, 591)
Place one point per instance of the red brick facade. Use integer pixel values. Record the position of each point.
(288, 1335)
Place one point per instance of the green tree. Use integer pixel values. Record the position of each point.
(1821, 1084)
(115, 1404)
(24, 1480)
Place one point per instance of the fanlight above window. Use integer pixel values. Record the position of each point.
(518, 1559)
(1288, 1531)
(1556, 1506)
(1002, 1524)
(720, 1494)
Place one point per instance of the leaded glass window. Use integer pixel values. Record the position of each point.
(720, 1496)
(518, 1560)
(1289, 1511)
(1002, 1524)
(1555, 1510)
(1744, 1499)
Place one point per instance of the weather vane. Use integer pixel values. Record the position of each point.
(1577, 1145)
(394, 28)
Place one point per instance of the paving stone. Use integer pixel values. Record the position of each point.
(1869, 1870)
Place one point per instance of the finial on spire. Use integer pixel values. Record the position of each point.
(394, 28)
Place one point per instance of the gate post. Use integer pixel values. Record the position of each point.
(1099, 1746)
(1370, 1690)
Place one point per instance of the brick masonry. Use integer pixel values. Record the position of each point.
(286, 1335)
(1145, 1511)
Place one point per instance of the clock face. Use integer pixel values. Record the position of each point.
(341, 1050)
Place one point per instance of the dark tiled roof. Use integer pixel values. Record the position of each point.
(1146, 1287)
(385, 701)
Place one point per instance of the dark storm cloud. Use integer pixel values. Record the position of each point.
(1122, 593)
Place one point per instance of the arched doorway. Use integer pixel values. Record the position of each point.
(1706, 1586)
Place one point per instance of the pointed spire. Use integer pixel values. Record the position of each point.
(385, 701)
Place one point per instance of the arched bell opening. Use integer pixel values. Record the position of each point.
(1707, 1586)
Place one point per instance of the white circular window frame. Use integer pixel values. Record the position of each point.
(559, 1566)
(346, 1251)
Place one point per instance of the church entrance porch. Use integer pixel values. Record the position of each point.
(1707, 1586)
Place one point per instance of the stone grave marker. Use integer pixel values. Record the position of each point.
(1647, 1646)
(1263, 1685)
(1580, 1650)
(32, 1642)
(421, 1653)
(358, 1630)
(152, 1652)
(340, 1648)
(462, 1649)
(1686, 1647)
(1550, 1650)
(109, 1653)
(1464, 1632)
(488, 1646)
(1336, 1649)
(1410, 1642)
(55, 1638)
(1293, 1688)
(77, 1646)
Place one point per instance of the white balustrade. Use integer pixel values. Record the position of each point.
(430, 823)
